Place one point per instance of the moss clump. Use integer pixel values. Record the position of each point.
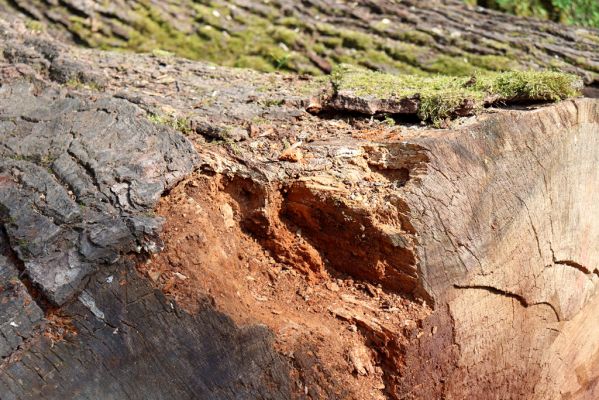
(356, 40)
(35, 26)
(75, 83)
(292, 22)
(331, 42)
(182, 125)
(254, 62)
(468, 65)
(491, 62)
(450, 65)
(532, 85)
(444, 96)
(406, 52)
(285, 35)
(159, 53)
(417, 37)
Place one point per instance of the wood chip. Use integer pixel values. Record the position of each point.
(291, 154)
(180, 276)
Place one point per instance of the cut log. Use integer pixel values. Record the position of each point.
(389, 261)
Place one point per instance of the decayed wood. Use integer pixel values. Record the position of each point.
(492, 223)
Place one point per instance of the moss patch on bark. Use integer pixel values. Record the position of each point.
(444, 96)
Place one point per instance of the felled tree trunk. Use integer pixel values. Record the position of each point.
(310, 36)
(302, 256)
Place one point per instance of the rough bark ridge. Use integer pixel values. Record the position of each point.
(492, 223)
(79, 177)
(310, 36)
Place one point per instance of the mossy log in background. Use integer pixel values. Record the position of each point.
(574, 12)
(417, 37)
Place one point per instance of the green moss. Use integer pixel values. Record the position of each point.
(255, 47)
(180, 124)
(319, 48)
(254, 62)
(491, 62)
(291, 22)
(314, 86)
(285, 35)
(356, 40)
(379, 60)
(417, 37)
(211, 36)
(443, 96)
(153, 32)
(162, 53)
(468, 64)
(79, 28)
(531, 85)
(389, 121)
(503, 46)
(576, 12)
(210, 15)
(327, 29)
(405, 52)
(444, 64)
(376, 57)
(331, 42)
(75, 83)
(590, 36)
(306, 69)
(273, 102)
(35, 26)
(23, 244)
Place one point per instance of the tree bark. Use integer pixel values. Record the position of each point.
(406, 37)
